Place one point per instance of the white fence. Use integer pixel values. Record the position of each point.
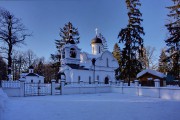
(157, 92)
(35, 89)
(19, 88)
(10, 84)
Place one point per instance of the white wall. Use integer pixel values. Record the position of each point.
(35, 79)
(12, 92)
(86, 90)
(160, 92)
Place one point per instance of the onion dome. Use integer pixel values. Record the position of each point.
(96, 40)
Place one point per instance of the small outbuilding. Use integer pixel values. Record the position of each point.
(147, 77)
(32, 77)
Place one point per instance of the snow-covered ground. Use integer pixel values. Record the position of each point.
(109, 106)
(3, 102)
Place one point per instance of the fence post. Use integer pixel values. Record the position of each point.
(22, 87)
(157, 82)
(53, 87)
(136, 82)
(62, 86)
(121, 83)
(81, 83)
(96, 82)
(110, 82)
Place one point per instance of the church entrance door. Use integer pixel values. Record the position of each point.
(106, 81)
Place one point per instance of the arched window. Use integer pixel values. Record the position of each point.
(107, 62)
(79, 79)
(99, 49)
(72, 53)
(89, 79)
(97, 77)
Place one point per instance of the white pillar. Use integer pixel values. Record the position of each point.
(53, 87)
(96, 82)
(136, 82)
(22, 87)
(157, 82)
(81, 82)
(62, 86)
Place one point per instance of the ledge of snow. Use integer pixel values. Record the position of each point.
(153, 72)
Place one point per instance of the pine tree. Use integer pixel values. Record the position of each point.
(68, 34)
(163, 63)
(117, 54)
(133, 42)
(173, 40)
(104, 42)
(3, 69)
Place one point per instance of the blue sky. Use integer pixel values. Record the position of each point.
(44, 18)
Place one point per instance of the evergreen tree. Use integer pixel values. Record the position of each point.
(133, 42)
(163, 63)
(173, 40)
(117, 54)
(3, 69)
(68, 34)
(104, 42)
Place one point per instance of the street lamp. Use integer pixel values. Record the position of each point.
(93, 63)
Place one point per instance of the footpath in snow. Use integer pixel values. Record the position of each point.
(110, 106)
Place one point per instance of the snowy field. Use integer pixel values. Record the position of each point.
(109, 106)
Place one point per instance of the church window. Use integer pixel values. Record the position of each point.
(98, 77)
(107, 62)
(99, 49)
(89, 79)
(72, 53)
(79, 79)
(31, 81)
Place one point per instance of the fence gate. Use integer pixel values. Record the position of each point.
(37, 89)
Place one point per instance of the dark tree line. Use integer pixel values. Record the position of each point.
(173, 40)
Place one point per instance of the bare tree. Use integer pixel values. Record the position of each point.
(30, 57)
(12, 33)
(149, 60)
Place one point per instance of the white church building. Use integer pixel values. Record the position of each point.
(77, 66)
(32, 77)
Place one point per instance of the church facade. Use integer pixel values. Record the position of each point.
(77, 66)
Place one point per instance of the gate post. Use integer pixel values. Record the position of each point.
(157, 82)
(53, 87)
(22, 87)
(121, 83)
(62, 86)
(96, 82)
(136, 83)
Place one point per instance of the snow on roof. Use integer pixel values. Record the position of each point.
(153, 72)
(90, 56)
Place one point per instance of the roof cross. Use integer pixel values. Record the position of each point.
(96, 31)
